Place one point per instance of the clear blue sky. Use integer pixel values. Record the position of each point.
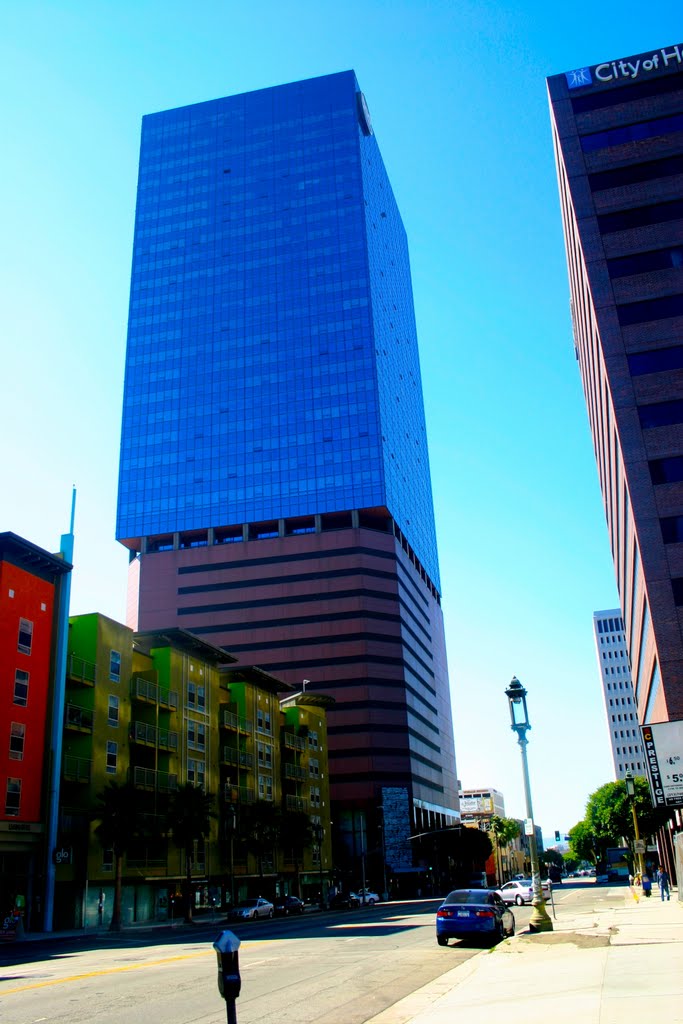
(458, 102)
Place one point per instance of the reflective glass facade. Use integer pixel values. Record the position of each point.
(272, 367)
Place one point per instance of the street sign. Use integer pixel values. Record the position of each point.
(528, 827)
(639, 846)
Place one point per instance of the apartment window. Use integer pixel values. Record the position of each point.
(313, 766)
(315, 796)
(265, 755)
(25, 636)
(263, 721)
(13, 798)
(113, 710)
(20, 688)
(107, 860)
(115, 666)
(196, 696)
(196, 735)
(196, 772)
(313, 739)
(265, 787)
(17, 735)
(112, 757)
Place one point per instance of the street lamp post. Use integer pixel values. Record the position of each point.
(516, 695)
(385, 892)
(630, 784)
(232, 828)
(319, 833)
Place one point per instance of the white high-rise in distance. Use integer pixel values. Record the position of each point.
(620, 705)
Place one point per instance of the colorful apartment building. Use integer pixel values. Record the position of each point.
(162, 708)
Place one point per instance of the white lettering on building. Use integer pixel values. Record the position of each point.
(632, 69)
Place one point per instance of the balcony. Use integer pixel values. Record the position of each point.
(295, 771)
(238, 794)
(151, 693)
(293, 742)
(76, 769)
(78, 719)
(150, 865)
(236, 723)
(237, 757)
(78, 670)
(154, 781)
(150, 736)
(295, 803)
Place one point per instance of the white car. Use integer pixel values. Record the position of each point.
(521, 891)
(365, 896)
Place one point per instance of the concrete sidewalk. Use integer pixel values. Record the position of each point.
(621, 962)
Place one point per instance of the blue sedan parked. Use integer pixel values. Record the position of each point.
(473, 914)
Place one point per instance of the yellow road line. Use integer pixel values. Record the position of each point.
(108, 970)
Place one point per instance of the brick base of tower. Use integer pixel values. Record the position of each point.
(351, 612)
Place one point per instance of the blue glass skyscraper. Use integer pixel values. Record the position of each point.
(273, 415)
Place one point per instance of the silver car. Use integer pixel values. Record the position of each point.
(521, 891)
(251, 909)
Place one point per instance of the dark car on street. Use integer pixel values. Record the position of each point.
(475, 914)
(343, 901)
(285, 905)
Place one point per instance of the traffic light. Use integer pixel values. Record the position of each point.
(557, 835)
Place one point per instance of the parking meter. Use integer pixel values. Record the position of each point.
(229, 981)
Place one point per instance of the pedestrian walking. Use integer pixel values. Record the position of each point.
(663, 879)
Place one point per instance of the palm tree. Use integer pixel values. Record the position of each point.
(504, 831)
(260, 829)
(189, 819)
(117, 814)
(296, 834)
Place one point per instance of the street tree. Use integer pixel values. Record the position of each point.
(260, 828)
(296, 836)
(609, 820)
(188, 818)
(552, 857)
(116, 812)
(504, 831)
(583, 843)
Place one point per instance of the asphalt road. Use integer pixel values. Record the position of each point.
(329, 968)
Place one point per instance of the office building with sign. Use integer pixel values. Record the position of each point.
(618, 131)
(274, 487)
(618, 136)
